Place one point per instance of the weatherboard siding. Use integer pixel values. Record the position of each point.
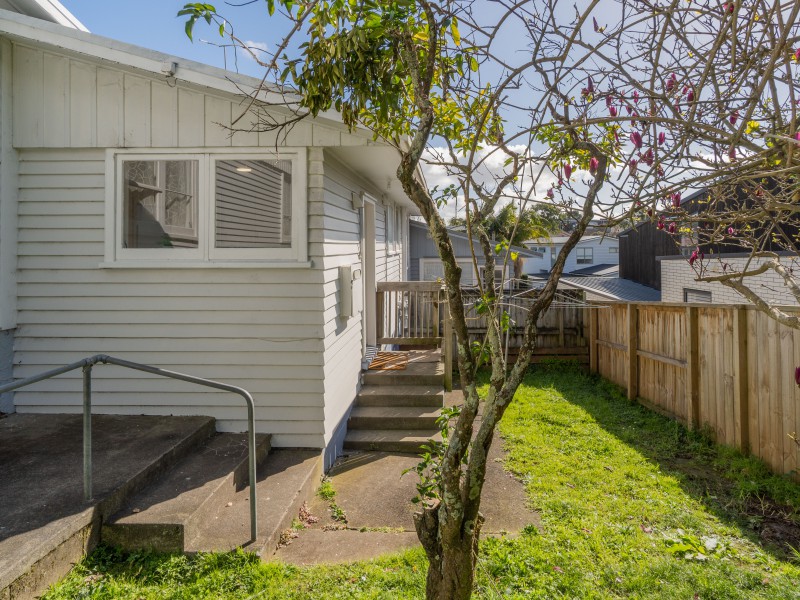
(258, 328)
(65, 102)
(341, 231)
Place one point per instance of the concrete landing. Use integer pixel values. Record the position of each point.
(376, 500)
(45, 524)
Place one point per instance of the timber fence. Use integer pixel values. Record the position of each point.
(727, 368)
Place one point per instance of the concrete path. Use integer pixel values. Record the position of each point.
(375, 499)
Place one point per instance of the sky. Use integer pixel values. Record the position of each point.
(153, 24)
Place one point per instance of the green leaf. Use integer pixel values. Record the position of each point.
(271, 7)
(221, 29)
(473, 64)
(454, 32)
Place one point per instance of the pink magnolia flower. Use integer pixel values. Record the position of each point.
(796, 136)
(676, 200)
(550, 193)
(636, 139)
(648, 157)
(629, 108)
(633, 165)
(690, 96)
(728, 7)
(797, 55)
(662, 137)
(596, 26)
(734, 117)
(660, 224)
(593, 165)
(609, 100)
(567, 170)
(693, 258)
(660, 171)
(671, 228)
(732, 154)
(731, 231)
(636, 96)
(612, 111)
(589, 89)
(672, 82)
(797, 375)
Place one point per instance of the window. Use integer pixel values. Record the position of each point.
(207, 207)
(393, 229)
(613, 250)
(690, 295)
(584, 256)
(431, 269)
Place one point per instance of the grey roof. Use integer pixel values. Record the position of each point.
(601, 270)
(611, 288)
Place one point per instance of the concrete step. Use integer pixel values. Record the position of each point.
(166, 515)
(46, 527)
(286, 479)
(401, 395)
(391, 440)
(393, 417)
(414, 374)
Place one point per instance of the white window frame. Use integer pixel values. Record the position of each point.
(613, 250)
(584, 261)
(206, 254)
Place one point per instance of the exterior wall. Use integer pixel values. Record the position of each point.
(421, 246)
(63, 102)
(600, 255)
(639, 249)
(6, 369)
(677, 275)
(339, 237)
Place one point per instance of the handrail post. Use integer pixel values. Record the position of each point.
(251, 439)
(87, 432)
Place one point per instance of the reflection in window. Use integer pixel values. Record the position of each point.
(253, 203)
(160, 204)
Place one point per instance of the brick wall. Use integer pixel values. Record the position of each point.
(677, 275)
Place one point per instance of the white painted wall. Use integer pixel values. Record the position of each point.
(677, 275)
(601, 253)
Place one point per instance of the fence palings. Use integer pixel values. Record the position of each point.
(727, 368)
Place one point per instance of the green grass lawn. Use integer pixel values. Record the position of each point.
(632, 506)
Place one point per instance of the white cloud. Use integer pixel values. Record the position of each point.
(259, 49)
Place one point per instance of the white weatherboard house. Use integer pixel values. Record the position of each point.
(590, 250)
(133, 224)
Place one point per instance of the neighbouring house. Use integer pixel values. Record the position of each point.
(653, 257)
(424, 263)
(590, 251)
(134, 223)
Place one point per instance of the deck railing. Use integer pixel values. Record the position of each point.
(414, 313)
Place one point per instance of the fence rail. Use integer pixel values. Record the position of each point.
(729, 368)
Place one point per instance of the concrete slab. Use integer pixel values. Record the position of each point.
(317, 546)
(41, 484)
(375, 497)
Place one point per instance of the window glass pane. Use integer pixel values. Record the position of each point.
(160, 204)
(253, 204)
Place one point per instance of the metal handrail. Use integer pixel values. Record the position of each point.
(86, 365)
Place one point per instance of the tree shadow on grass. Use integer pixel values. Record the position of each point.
(739, 490)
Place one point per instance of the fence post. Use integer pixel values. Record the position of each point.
(633, 357)
(741, 398)
(593, 362)
(692, 369)
(561, 339)
(447, 347)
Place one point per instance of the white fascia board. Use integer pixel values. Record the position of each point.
(42, 33)
(56, 11)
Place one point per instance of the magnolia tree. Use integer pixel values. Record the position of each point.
(700, 96)
(605, 111)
